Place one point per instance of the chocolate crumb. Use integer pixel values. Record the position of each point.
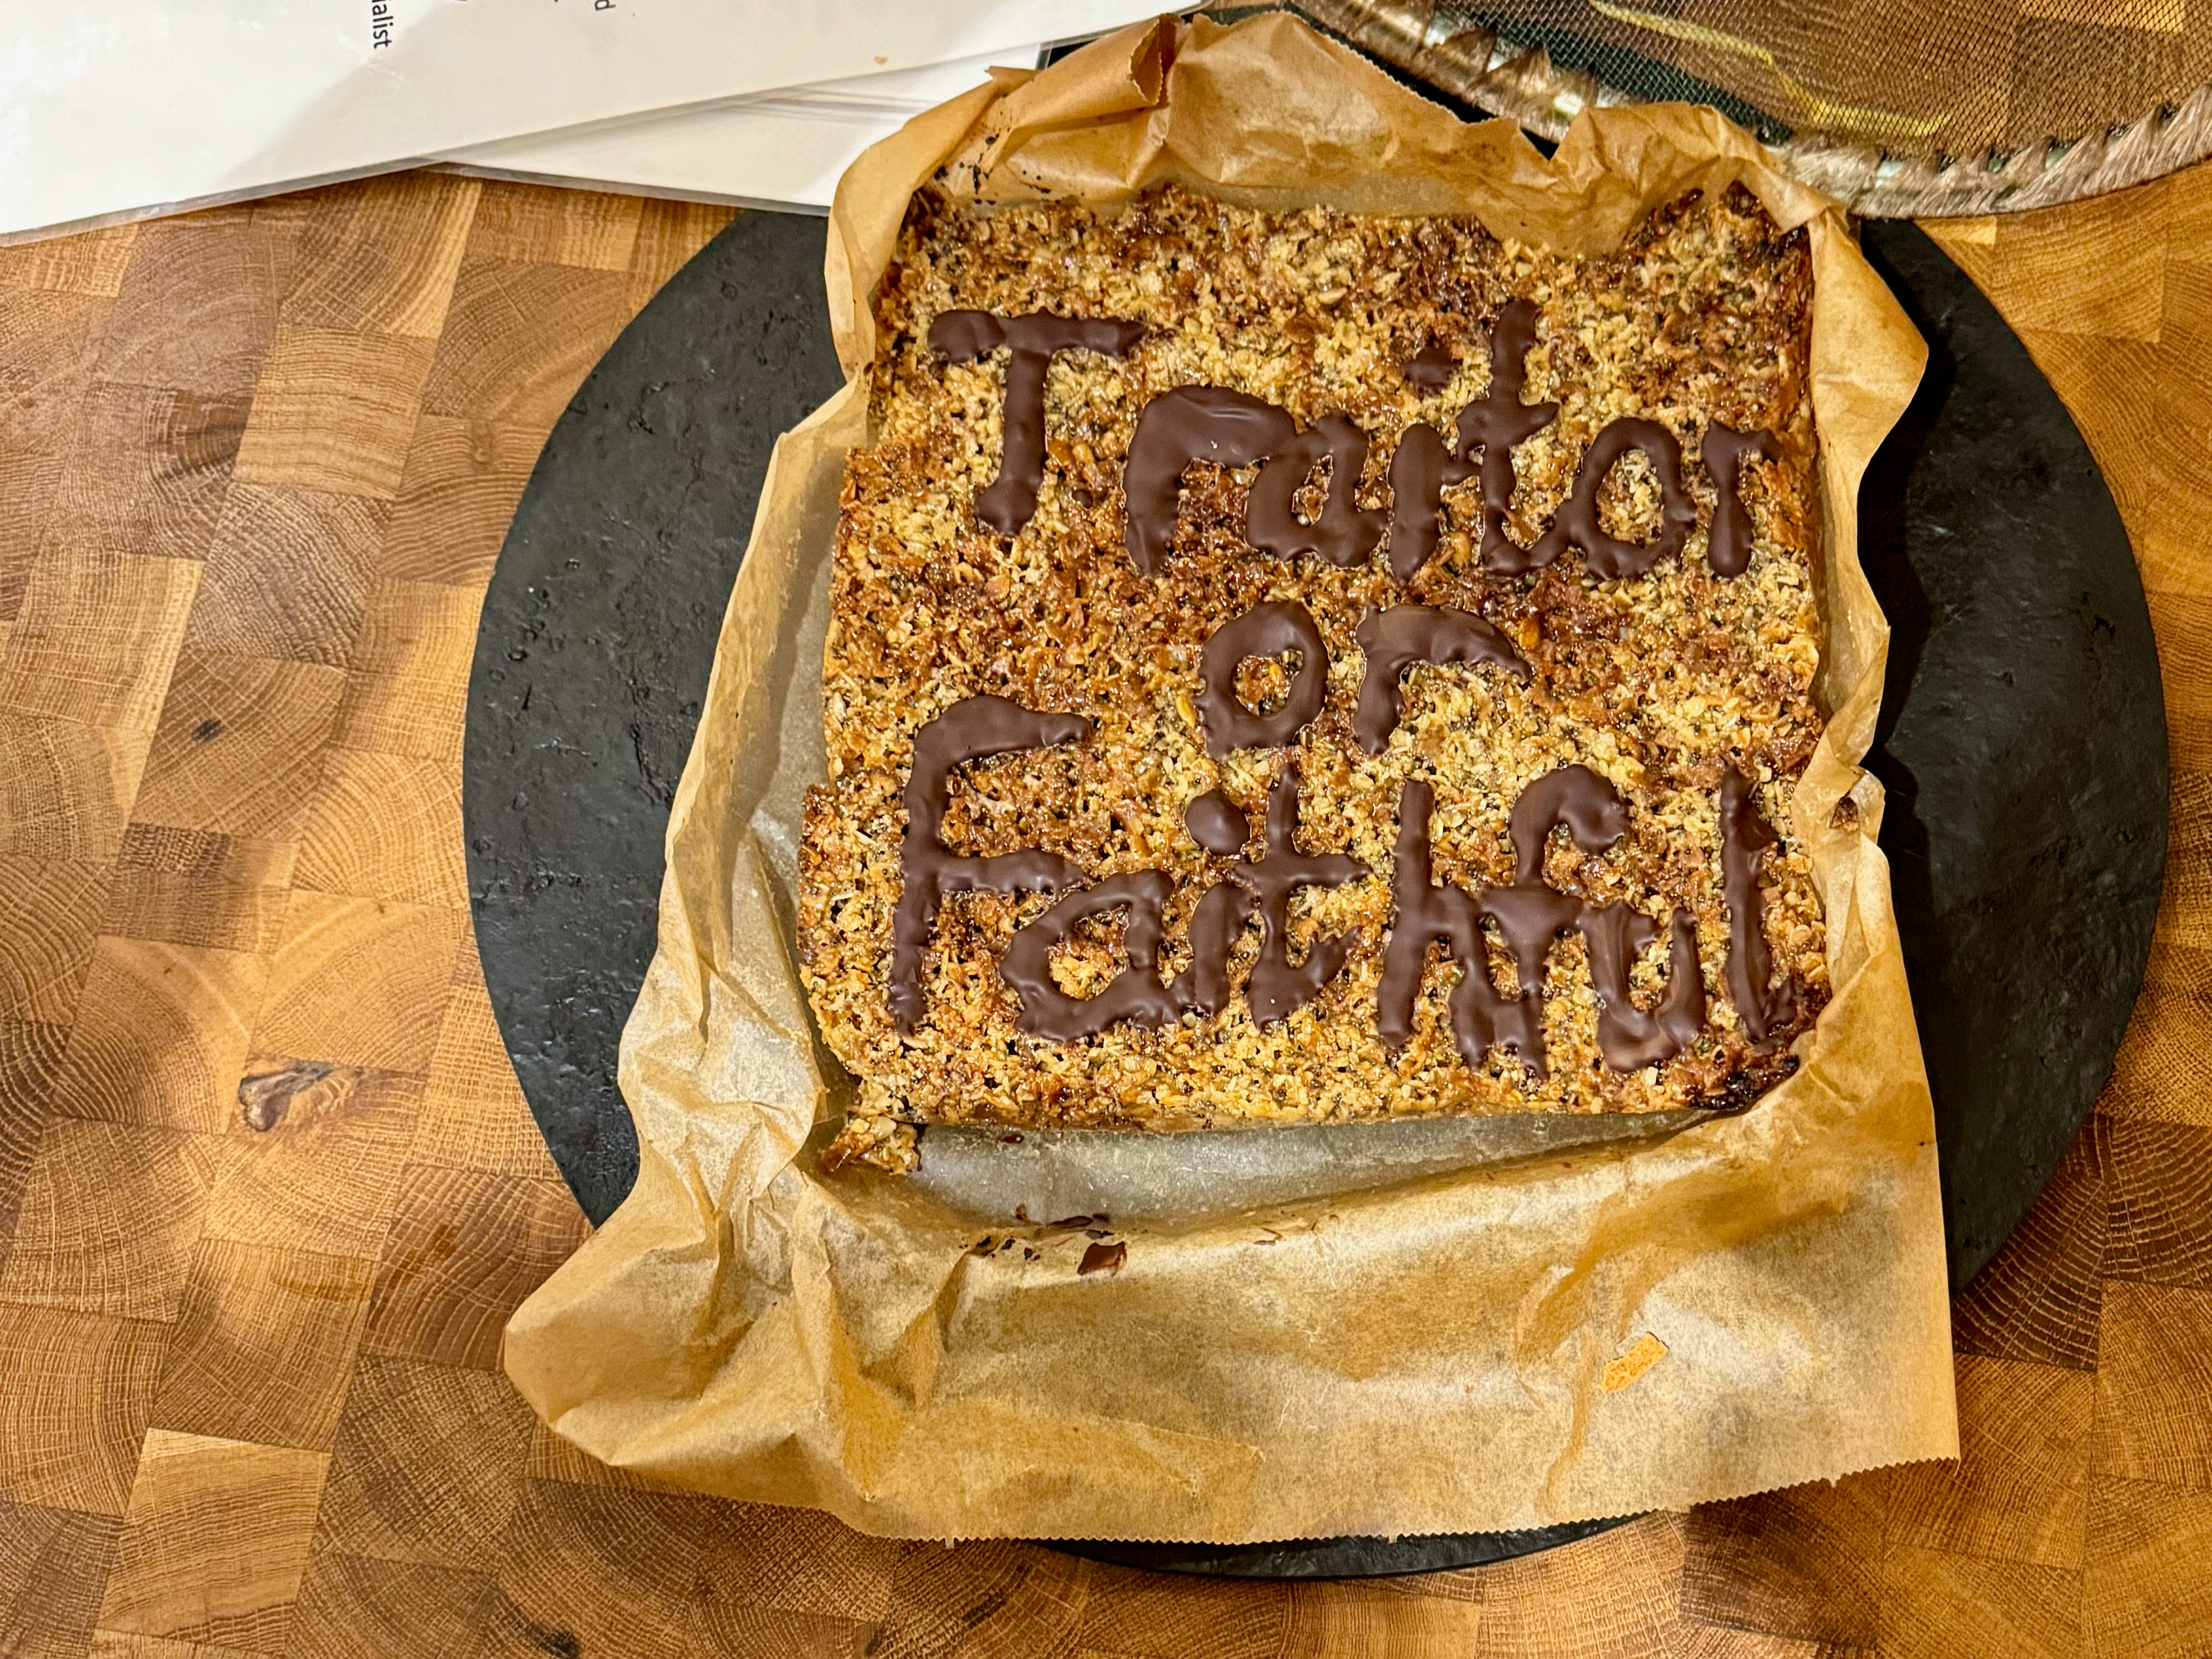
(1103, 1258)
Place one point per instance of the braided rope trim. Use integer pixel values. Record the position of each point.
(1477, 66)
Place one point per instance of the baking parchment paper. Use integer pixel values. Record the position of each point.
(1396, 1328)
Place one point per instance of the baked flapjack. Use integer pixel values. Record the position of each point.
(1294, 667)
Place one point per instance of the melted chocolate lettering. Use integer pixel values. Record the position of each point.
(1219, 824)
(1745, 838)
(1431, 368)
(973, 729)
(1278, 986)
(1135, 994)
(1343, 532)
(1577, 523)
(1496, 421)
(1203, 987)
(1190, 423)
(1628, 1037)
(1009, 501)
(1265, 631)
(1393, 640)
(1531, 915)
(1728, 544)
(1529, 922)
(1428, 915)
(1423, 468)
(1573, 798)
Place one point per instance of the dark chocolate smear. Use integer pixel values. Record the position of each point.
(973, 729)
(1009, 501)
(1278, 986)
(1628, 1037)
(1217, 824)
(1393, 640)
(1203, 987)
(1135, 994)
(1497, 421)
(1103, 1258)
(1431, 368)
(1728, 544)
(1270, 629)
(1589, 809)
(1343, 532)
(1745, 838)
(1530, 918)
(1421, 470)
(1427, 915)
(1189, 423)
(1577, 522)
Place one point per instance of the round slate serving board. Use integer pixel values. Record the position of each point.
(2022, 741)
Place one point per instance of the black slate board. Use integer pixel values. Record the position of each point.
(2023, 740)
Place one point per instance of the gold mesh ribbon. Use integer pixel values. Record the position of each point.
(1894, 107)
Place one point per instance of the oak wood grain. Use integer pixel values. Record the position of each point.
(269, 1189)
(214, 1542)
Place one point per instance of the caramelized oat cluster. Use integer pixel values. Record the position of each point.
(1660, 682)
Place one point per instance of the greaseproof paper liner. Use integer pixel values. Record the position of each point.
(1395, 1328)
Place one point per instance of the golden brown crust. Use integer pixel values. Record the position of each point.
(1658, 682)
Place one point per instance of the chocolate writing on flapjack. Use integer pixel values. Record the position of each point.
(1275, 987)
(1628, 1037)
(1576, 524)
(1219, 824)
(1530, 916)
(973, 729)
(1136, 993)
(1221, 427)
(1528, 913)
(1304, 500)
(1224, 428)
(1009, 501)
(1424, 466)
(1745, 839)
(1190, 423)
(1497, 421)
(1343, 532)
(1427, 914)
(1421, 469)
(1274, 630)
(1393, 640)
(1728, 544)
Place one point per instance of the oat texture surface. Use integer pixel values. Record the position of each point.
(1658, 682)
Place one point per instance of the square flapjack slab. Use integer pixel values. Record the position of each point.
(1303, 666)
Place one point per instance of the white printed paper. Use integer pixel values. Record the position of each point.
(110, 108)
(782, 148)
